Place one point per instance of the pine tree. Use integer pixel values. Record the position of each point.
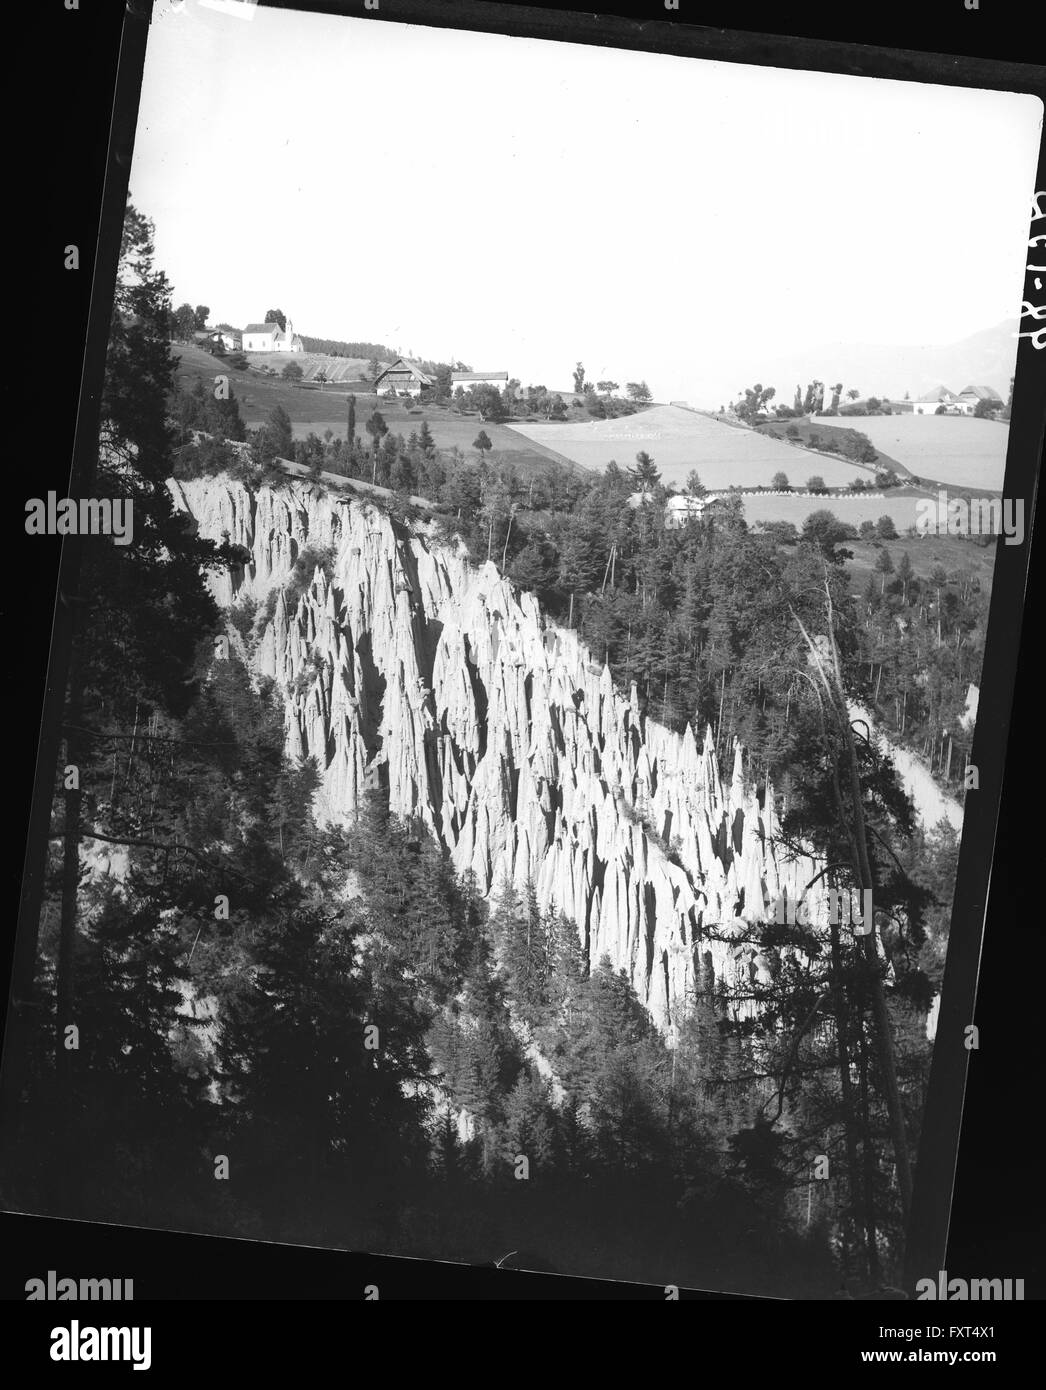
(529, 1126)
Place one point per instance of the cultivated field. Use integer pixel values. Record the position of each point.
(854, 510)
(342, 370)
(941, 448)
(679, 440)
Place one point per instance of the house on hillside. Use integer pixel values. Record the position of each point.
(468, 380)
(270, 337)
(403, 378)
(679, 510)
(928, 403)
(969, 396)
(230, 340)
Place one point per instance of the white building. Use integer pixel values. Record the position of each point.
(679, 509)
(970, 395)
(270, 337)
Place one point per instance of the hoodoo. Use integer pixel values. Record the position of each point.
(408, 667)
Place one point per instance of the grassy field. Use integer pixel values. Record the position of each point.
(772, 507)
(945, 449)
(824, 429)
(951, 552)
(319, 410)
(679, 440)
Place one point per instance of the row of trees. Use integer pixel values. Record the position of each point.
(184, 321)
(753, 405)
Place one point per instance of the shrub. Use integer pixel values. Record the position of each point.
(783, 532)
(242, 616)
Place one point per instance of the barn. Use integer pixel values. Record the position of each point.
(403, 378)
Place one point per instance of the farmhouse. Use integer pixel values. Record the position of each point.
(970, 395)
(468, 380)
(403, 378)
(928, 402)
(228, 337)
(270, 337)
(679, 510)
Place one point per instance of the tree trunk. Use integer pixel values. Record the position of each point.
(866, 879)
(887, 1060)
(842, 1033)
(868, 1154)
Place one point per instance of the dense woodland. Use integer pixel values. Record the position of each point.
(372, 1047)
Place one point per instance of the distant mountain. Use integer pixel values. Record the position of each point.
(986, 359)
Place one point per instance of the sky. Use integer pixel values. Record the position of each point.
(518, 204)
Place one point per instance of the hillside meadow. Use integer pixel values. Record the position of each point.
(679, 439)
(769, 506)
(315, 410)
(944, 449)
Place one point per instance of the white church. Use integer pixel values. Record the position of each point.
(270, 337)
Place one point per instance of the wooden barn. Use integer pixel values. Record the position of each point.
(403, 378)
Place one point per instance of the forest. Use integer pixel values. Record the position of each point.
(244, 1022)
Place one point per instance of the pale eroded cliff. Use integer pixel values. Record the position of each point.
(495, 727)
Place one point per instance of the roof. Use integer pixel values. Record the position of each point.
(262, 328)
(412, 367)
(983, 393)
(938, 393)
(479, 376)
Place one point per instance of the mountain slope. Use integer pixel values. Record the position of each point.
(985, 358)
